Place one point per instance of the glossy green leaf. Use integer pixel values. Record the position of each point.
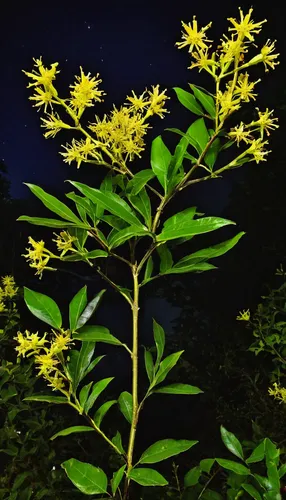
(117, 478)
(165, 448)
(177, 159)
(212, 153)
(19, 480)
(96, 333)
(47, 399)
(72, 430)
(102, 410)
(106, 186)
(190, 139)
(42, 221)
(271, 451)
(53, 204)
(206, 100)
(43, 307)
(79, 362)
(231, 442)
(282, 471)
(211, 495)
(94, 363)
(253, 493)
(110, 202)
(76, 307)
(233, 466)
(97, 389)
(191, 268)
(148, 269)
(188, 101)
(84, 393)
(115, 222)
(81, 236)
(257, 455)
(160, 160)
(125, 404)
(166, 259)
(193, 227)
(159, 337)
(206, 464)
(120, 237)
(118, 442)
(141, 203)
(182, 217)
(139, 181)
(179, 389)
(263, 481)
(192, 477)
(147, 477)
(82, 202)
(90, 309)
(149, 364)
(88, 479)
(199, 132)
(166, 366)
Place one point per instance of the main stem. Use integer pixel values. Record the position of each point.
(135, 410)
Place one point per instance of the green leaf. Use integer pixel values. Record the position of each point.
(43, 307)
(272, 453)
(257, 455)
(199, 132)
(192, 477)
(90, 309)
(102, 410)
(42, 221)
(141, 203)
(251, 491)
(148, 269)
(83, 203)
(79, 362)
(263, 482)
(282, 471)
(166, 366)
(193, 227)
(166, 259)
(180, 218)
(188, 101)
(110, 202)
(118, 442)
(19, 480)
(117, 478)
(191, 140)
(118, 238)
(231, 442)
(96, 333)
(149, 364)
(233, 466)
(53, 204)
(139, 180)
(159, 337)
(47, 399)
(126, 405)
(147, 477)
(179, 389)
(192, 268)
(88, 479)
(211, 495)
(212, 153)
(206, 100)
(81, 237)
(72, 430)
(76, 307)
(97, 389)
(206, 464)
(160, 160)
(94, 363)
(165, 448)
(83, 395)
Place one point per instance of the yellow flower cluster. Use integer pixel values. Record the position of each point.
(278, 392)
(8, 291)
(46, 358)
(244, 315)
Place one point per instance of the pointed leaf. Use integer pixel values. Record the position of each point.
(190, 139)
(233, 466)
(165, 448)
(147, 477)
(126, 405)
(72, 430)
(83, 395)
(96, 333)
(160, 160)
(180, 218)
(193, 227)
(206, 100)
(102, 410)
(257, 455)
(192, 477)
(94, 363)
(139, 180)
(43, 307)
(206, 464)
(79, 362)
(97, 389)
(119, 237)
(90, 309)
(166, 259)
(148, 269)
(47, 399)
(118, 442)
(53, 204)
(42, 221)
(76, 307)
(149, 364)
(110, 202)
(231, 442)
(191, 268)
(212, 153)
(166, 366)
(159, 337)
(199, 132)
(88, 479)
(188, 101)
(251, 491)
(117, 478)
(179, 389)
(141, 203)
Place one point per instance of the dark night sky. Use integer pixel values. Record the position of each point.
(131, 45)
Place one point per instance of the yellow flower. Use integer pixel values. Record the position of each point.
(228, 104)
(43, 76)
(85, 91)
(204, 61)
(278, 392)
(266, 56)
(265, 122)
(10, 290)
(53, 125)
(157, 102)
(47, 363)
(244, 88)
(238, 133)
(193, 37)
(43, 97)
(257, 150)
(245, 26)
(243, 315)
(57, 382)
(8, 281)
(29, 342)
(3, 307)
(61, 341)
(80, 150)
(38, 256)
(138, 104)
(231, 49)
(64, 242)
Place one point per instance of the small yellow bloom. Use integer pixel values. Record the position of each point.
(257, 150)
(57, 382)
(79, 151)
(244, 315)
(244, 88)
(157, 102)
(29, 342)
(53, 124)
(3, 307)
(245, 26)
(228, 103)
(204, 61)
(138, 104)
(231, 49)
(64, 242)
(193, 37)
(38, 256)
(43, 76)
(265, 122)
(62, 340)
(238, 133)
(43, 97)
(278, 392)
(47, 363)
(85, 91)
(266, 56)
